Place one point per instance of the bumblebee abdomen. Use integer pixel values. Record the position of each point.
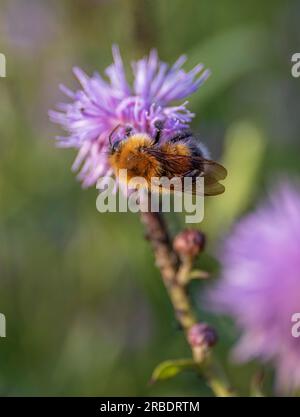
(180, 148)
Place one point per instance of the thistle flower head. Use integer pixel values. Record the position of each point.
(260, 284)
(101, 104)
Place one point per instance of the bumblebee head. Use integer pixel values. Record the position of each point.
(115, 145)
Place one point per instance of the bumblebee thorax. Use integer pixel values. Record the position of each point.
(132, 155)
(136, 142)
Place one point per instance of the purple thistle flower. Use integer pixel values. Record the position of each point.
(260, 284)
(101, 105)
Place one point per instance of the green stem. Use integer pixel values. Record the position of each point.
(174, 273)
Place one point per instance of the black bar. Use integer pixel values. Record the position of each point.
(97, 406)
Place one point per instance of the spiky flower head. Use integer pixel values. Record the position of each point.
(101, 104)
(260, 284)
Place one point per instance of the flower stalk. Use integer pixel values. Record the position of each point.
(175, 273)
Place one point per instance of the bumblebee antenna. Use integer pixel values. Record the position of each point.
(112, 132)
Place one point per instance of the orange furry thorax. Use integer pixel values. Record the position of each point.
(134, 156)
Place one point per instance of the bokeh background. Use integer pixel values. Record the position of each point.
(87, 313)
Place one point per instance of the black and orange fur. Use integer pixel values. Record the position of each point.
(143, 156)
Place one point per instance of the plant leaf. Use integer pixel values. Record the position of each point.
(199, 274)
(169, 369)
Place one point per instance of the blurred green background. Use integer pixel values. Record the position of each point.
(86, 311)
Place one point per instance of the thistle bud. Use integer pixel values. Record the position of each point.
(189, 242)
(202, 335)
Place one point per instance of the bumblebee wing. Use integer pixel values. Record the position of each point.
(213, 173)
(174, 165)
(211, 187)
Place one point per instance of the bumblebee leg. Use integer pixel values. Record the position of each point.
(159, 127)
(128, 130)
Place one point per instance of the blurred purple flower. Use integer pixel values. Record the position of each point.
(101, 105)
(29, 26)
(260, 285)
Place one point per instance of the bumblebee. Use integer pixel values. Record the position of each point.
(180, 156)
